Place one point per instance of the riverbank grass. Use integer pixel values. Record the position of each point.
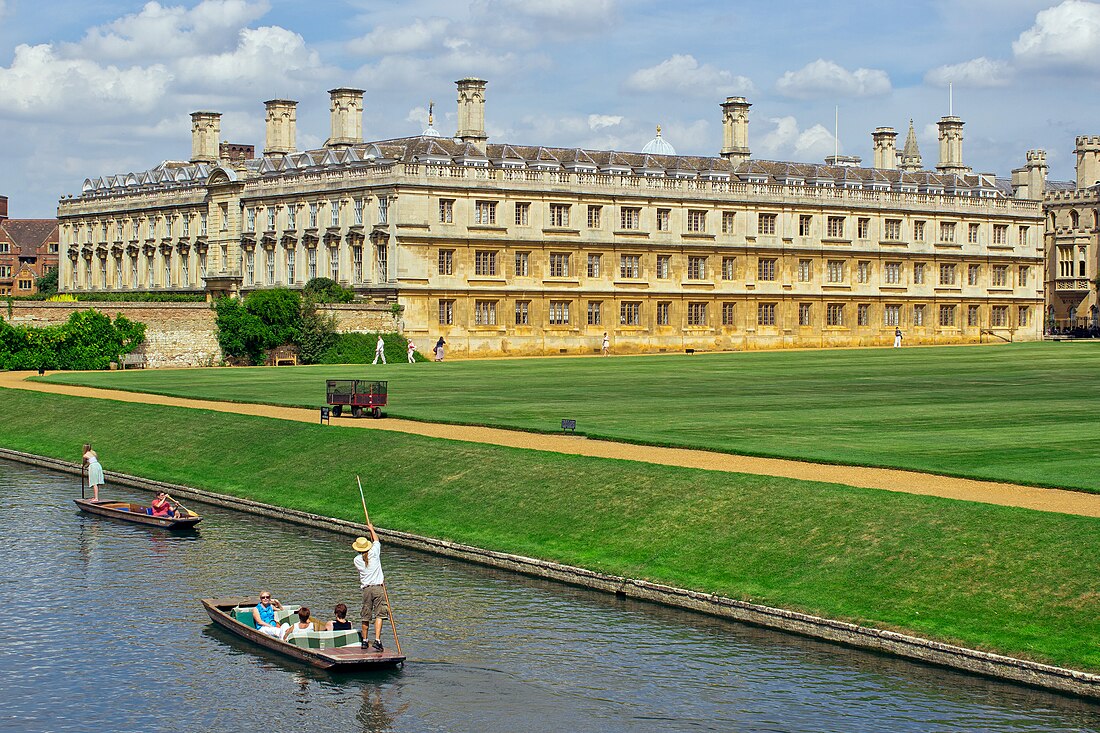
(1007, 580)
(1021, 413)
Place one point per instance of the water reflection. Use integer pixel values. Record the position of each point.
(112, 636)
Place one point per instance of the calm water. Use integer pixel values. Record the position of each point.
(111, 636)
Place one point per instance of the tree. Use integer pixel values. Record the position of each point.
(318, 332)
(325, 290)
(47, 284)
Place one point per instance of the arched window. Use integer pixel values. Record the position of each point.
(1074, 218)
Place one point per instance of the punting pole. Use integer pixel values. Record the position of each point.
(386, 593)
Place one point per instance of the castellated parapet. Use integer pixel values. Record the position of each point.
(1088, 160)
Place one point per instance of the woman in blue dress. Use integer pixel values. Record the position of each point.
(95, 471)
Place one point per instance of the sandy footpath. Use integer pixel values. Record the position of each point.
(990, 492)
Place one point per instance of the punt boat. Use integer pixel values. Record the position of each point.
(337, 651)
(138, 514)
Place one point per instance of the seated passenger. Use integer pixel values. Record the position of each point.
(161, 506)
(304, 624)
(263, 615)
(341, 623)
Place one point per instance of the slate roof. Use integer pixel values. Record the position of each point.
(444, 150)
(28, 235)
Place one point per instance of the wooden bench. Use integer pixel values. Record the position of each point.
(133, 361)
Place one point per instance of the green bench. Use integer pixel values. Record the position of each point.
(324, 639)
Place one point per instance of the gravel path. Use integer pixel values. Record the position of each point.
(989, 492)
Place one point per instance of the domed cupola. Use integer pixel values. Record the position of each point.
(658, 146)
(431, 131)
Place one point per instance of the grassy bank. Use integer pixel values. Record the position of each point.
(1014, 581)
(1021, 413)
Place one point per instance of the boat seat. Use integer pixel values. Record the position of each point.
(324, 639)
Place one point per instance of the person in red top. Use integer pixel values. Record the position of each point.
(162, 507)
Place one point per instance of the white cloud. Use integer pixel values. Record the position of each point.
(1, 8)
(682, 74)
(39, 83)
(979, 72)
(162, 32)
(823, 78)
(421, 35)
(1065, 36)
(599, 122)
(268, 54)
(786, 141)
(558, 19)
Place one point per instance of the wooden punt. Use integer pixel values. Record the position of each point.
(130, 512)
(348, 658)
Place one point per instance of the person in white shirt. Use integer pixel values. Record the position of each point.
(371, 580)
(379, 350)
(897, 337)
(412, 350)
(606, 351)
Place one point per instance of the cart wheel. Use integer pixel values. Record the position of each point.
(336, 410)
(377, 412)
(357, 411)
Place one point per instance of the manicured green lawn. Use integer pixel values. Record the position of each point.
(1024, 413)
(1015, 581)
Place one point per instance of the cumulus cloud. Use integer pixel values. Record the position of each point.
(161, 32)
(787, 140)
(40, 83)
(682, 74)
(418, 36)
(267, 54)
(1065, 36)
(599, 122)
(979, 72)
(823, 78)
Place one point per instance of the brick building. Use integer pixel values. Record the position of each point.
(28, 249)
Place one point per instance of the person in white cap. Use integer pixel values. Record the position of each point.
(379, 350)
(371, 580)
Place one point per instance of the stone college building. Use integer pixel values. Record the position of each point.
(520, 249)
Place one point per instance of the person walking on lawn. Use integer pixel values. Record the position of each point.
(371, 580)
(379, 350)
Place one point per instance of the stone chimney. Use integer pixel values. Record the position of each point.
(206, 131)
(951, 146)
(282, 118)
(885, 143)
(347, 117)
(3, 208)
(735, 129)
(471, 110)
(1088, 160)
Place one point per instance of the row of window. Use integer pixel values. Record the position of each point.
(486, 264)
(836, 314)
(269, 263)
(630, 218)
(155, 225)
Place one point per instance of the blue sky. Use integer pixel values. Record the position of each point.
(91, 88)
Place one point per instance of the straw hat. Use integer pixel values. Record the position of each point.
(362, 544)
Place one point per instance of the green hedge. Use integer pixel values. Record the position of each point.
(358, 348)
(88, 340)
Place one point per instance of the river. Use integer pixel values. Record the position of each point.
(104, 631)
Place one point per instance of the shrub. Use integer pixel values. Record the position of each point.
(88, 340)
(358, 348)
(325, 290)
(240, 333)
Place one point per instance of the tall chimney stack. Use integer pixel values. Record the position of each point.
(347, 117)
(282, 118)
(471, 110)
(885, 142)
(951, 146)
(206, 131)
(735, 129)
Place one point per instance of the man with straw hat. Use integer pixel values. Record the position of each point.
(371, 581)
